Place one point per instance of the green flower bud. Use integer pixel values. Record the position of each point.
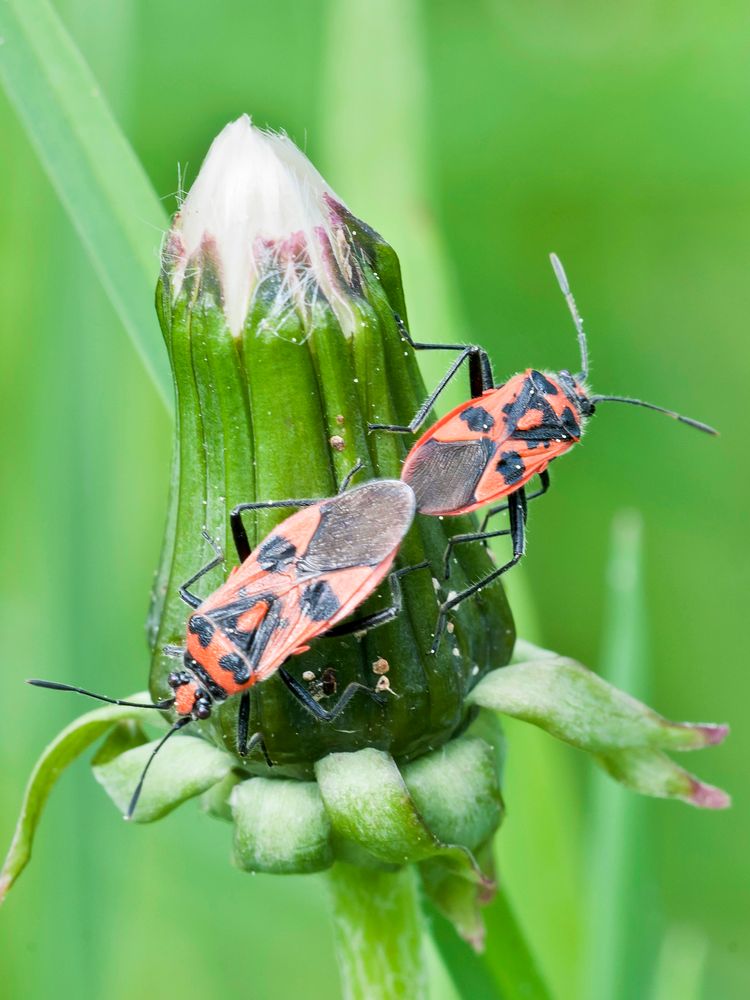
(277, 307)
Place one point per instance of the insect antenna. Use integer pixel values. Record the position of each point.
(659, 409)
(180, 724)
(56, 686)
(562, 280)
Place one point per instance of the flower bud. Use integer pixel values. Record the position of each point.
(277, 307)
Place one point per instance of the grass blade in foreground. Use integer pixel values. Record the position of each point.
(617, 855)
(506, 971)
(91, 165)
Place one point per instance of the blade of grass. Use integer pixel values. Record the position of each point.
(615, 851)
(91, 165)
(507, 971)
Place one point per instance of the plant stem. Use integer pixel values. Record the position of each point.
(378, 933)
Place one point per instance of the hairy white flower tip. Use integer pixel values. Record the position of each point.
(253, 185)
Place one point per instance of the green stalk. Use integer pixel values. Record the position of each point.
(378, 933)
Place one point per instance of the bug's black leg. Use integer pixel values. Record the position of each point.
(243, 720)
(516, 508)
(239, 534)
(421, 415)
(480, 378)
(367, 622)
(326, 714)
(474, 536)
(358, 466)
(256, 740)
(480, 369)
(192, 600)
(245, 746)
(544, 482)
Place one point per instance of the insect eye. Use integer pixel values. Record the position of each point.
(175, 679)
(202, 709)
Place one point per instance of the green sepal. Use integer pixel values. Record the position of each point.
(183, 768)
(368, 803)
(459, 900)
(280, 826)
(215, 802)
(651, 772)
(68, 745)
(456, 791)
(577, 706)
(573, 703)
(125, 736)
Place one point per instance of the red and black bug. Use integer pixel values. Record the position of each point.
(492, 445)
(301, 581)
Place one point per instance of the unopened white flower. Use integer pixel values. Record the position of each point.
(263, 211)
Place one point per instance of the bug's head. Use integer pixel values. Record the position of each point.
(575, 390)
(190, 697)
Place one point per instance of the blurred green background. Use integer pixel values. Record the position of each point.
(476, 137)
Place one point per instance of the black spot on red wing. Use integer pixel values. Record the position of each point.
(543, 384)
(203, 627)
(444, 474)
(362, 527)
(511, 467)
(477, 418)
(276, 553)
(318, 601)
(234, 664)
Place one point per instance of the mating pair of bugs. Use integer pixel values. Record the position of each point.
(308, 576)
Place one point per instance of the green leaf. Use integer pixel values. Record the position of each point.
(184, 767)
(91, 165)
(62, 751)
(280, 826)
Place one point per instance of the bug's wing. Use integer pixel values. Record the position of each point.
(315, 604)
(311, 571)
